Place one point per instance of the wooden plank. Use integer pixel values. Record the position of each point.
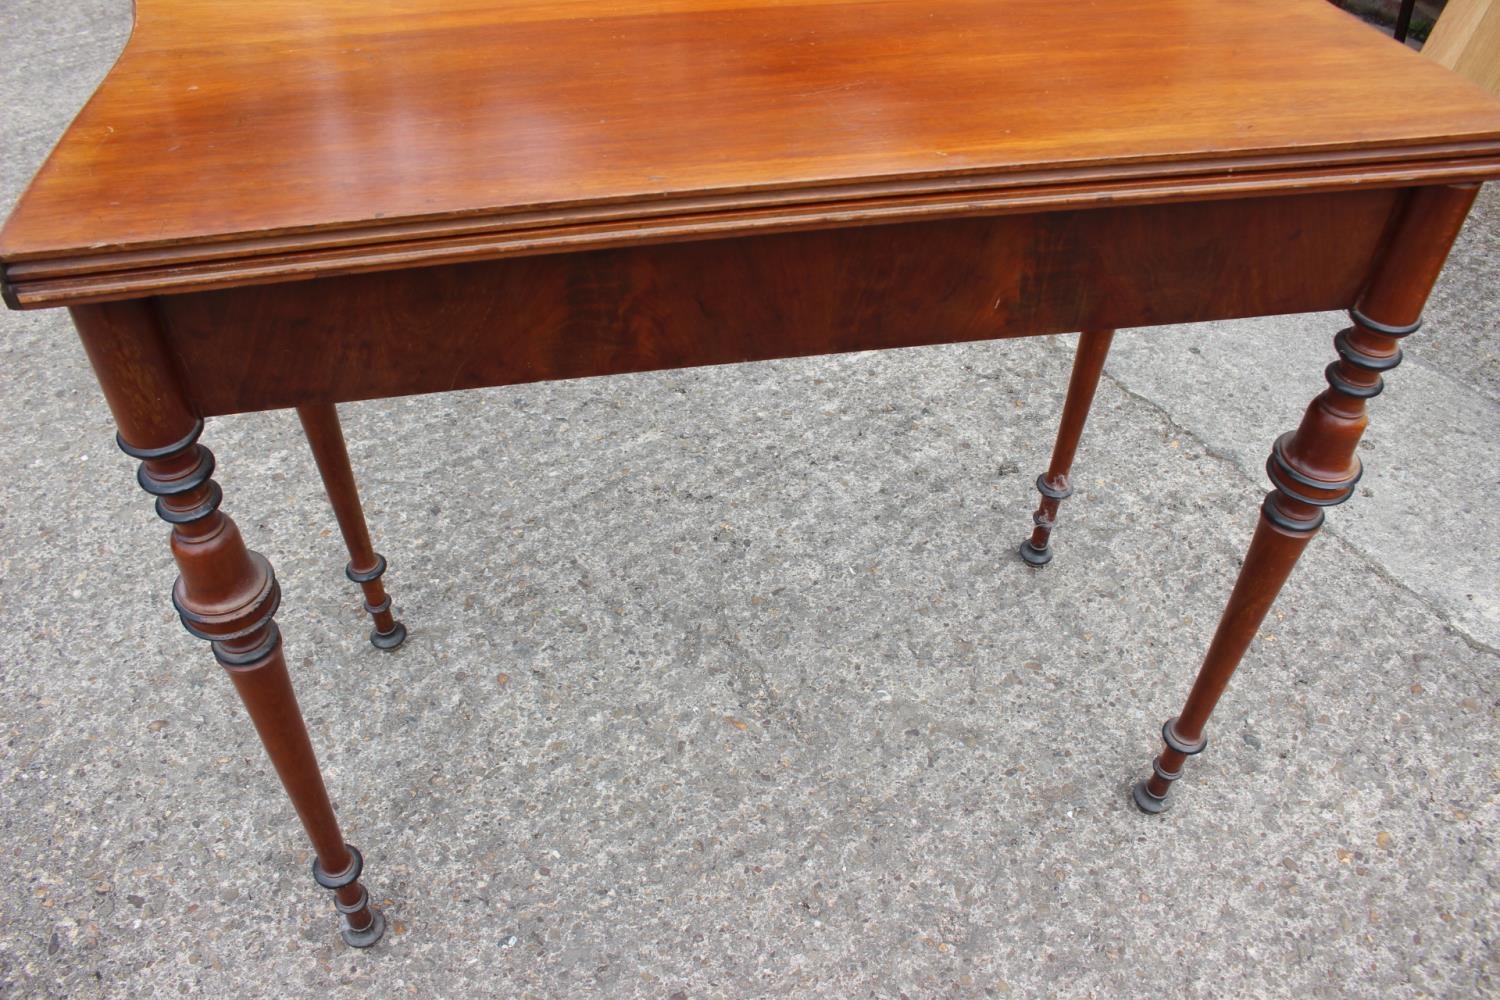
(1466, 39)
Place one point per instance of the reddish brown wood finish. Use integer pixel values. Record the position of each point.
(1055, 486)
(225, 593)
(294, 204)
(235, 143)
(788, 295)
(320, 421)
(1316, 465)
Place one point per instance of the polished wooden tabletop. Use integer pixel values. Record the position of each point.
(245, 142)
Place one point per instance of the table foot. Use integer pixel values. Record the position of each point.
(1316, 466)
(1054, 485)
(361, 924)
(1145, 801)
(1034, 556)
(388, 640)
(325, 436)
(364, 938)
(1150, 794)
(388, 633)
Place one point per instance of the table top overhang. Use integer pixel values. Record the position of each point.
(259, 142)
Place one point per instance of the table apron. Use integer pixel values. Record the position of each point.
(602, 312)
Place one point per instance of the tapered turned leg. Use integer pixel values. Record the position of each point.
(1055, 486)
(366, 566)
(1278, 541)
(1316, 466)
(225, 593)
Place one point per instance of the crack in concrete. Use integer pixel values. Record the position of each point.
(1378, 569)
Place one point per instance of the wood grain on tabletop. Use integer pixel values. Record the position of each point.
(225, 124)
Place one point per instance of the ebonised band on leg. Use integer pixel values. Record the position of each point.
(370, 575)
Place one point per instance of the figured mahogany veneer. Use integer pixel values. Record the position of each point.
(284, 203)
(751, 299)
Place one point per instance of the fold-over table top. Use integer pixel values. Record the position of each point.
(281, 138)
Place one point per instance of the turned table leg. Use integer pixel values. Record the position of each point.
(1316, 466)
(1055, 486)
(225, 593)
(366, 566)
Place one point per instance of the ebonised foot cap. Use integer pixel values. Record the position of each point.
(1034, 556)
(1145, 801)
(389, 640)
(367, 937)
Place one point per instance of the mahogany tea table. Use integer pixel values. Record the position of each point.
(283, 204)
